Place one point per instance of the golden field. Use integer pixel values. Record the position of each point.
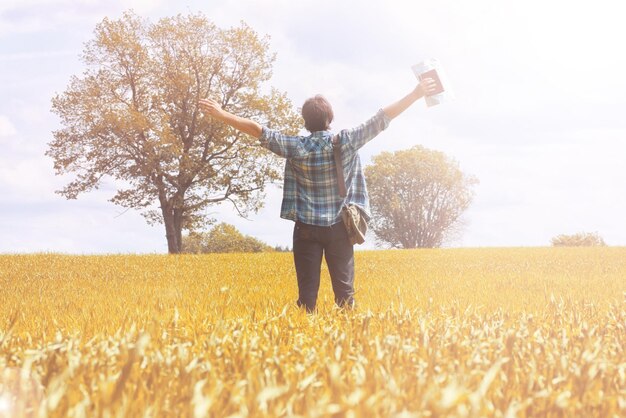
(455, 332)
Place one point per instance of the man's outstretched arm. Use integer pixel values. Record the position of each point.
(275, 141)
(244, 125)
(426, 87)
(365, 132)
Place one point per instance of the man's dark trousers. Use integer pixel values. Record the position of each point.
(309, 243)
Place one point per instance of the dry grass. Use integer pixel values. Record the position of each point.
(478, 332)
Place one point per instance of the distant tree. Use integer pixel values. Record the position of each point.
(581, 239)
(193, 243)
(417, 197)
(133, 116)
(223, 238)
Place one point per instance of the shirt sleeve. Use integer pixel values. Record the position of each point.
(355, 138)
(280, 144)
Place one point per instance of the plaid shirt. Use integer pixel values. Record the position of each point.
(310, 192)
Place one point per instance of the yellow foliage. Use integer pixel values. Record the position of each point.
(461, 333)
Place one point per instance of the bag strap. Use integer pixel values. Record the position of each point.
(337, 154)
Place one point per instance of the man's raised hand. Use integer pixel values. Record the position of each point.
(211, 107)
(426, 87)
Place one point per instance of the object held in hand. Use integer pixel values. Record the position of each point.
(431, 68)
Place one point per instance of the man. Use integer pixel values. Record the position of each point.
(311, 196)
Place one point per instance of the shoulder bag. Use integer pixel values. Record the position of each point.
(351, 215)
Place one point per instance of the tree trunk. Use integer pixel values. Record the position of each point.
(173, 245)
(173, 220)
(173, 231)
(178, 228)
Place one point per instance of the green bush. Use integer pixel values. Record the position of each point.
(223, 238)
(581, 239)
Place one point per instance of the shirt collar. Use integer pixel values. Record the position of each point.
(323, 137)
(318, 134)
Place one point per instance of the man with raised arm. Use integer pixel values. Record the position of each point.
(311, 196)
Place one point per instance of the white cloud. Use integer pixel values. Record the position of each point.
(531, 192)
(142, 6)
(34, 218)
(32, 16)
(37, 55)
(6, 128)
(78, 227)
(22, 17)
(26, 179)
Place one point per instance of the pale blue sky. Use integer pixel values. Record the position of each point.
(539, 115)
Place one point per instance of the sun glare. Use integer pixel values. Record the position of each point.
(5, 405)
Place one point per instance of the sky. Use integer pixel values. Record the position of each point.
(539, 115)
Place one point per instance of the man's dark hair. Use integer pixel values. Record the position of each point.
(317, 113)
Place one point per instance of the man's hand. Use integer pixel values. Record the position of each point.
(426, 87)
(211, 108)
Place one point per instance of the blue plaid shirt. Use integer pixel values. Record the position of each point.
(310, 192)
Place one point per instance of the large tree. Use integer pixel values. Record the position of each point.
(133, 116)
(417, 197)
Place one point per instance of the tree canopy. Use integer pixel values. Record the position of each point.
(133, 116)
(417, 197)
